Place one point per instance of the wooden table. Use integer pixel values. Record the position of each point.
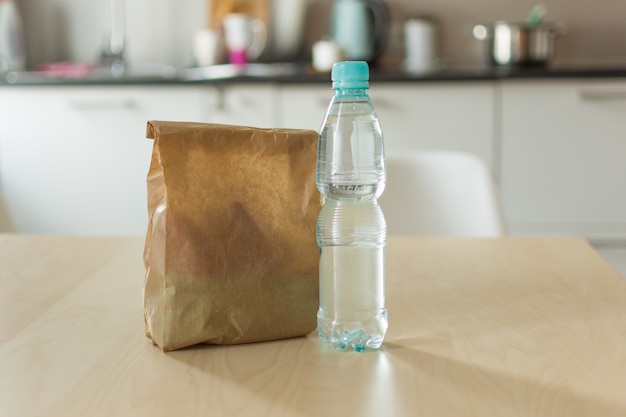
(478, 327)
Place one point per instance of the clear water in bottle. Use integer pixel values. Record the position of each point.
(351, 228)
(352, 314)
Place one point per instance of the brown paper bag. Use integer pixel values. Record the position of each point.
(230, 253)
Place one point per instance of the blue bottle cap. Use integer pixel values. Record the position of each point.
(350, 75)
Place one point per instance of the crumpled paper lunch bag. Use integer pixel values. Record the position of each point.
(230, 252)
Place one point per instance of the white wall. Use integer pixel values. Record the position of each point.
(161, 30)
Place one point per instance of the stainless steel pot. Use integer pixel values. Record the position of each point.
(517, 44)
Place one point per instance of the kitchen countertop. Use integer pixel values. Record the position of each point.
(478, 327)
(291, 73)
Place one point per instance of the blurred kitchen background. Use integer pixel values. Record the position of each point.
(162, 31)
(552, 135)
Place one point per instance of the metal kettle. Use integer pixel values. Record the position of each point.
(360, 28)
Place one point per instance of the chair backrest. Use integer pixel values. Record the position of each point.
(440, 193)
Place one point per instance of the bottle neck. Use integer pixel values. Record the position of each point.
(351, 92)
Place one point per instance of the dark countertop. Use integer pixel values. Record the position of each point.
(290, 73)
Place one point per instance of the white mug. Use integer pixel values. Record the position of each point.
(420, 45)
(324, 54)
(245, 37)
(205, 47)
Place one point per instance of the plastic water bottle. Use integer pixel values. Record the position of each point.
(351, 228)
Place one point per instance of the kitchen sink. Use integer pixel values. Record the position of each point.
(68, 73)
(226, 71)
(148, 73)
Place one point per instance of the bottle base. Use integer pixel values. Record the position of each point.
(358, 336)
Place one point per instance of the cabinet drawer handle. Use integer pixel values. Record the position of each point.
(599, 95)
(102, 104)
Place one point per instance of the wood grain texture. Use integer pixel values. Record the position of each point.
(478, 327)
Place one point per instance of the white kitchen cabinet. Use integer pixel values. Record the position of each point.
(244, 104)
(302, 106)
(446, 116)
(73, 160)
(563, 157)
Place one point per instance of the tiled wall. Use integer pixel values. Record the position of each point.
(161, 30)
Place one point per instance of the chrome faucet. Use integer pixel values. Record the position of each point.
(112, 54)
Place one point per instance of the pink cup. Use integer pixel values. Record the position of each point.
(245, 37)
(238, 57)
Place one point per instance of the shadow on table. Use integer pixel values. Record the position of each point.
(413, 376)
(295, 377)
(440, 383)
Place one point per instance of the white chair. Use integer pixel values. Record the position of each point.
(440, 193)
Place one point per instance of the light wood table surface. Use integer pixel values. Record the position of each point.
(478, 327)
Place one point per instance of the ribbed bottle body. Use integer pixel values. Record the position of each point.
(351, 228)
(352, 236)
